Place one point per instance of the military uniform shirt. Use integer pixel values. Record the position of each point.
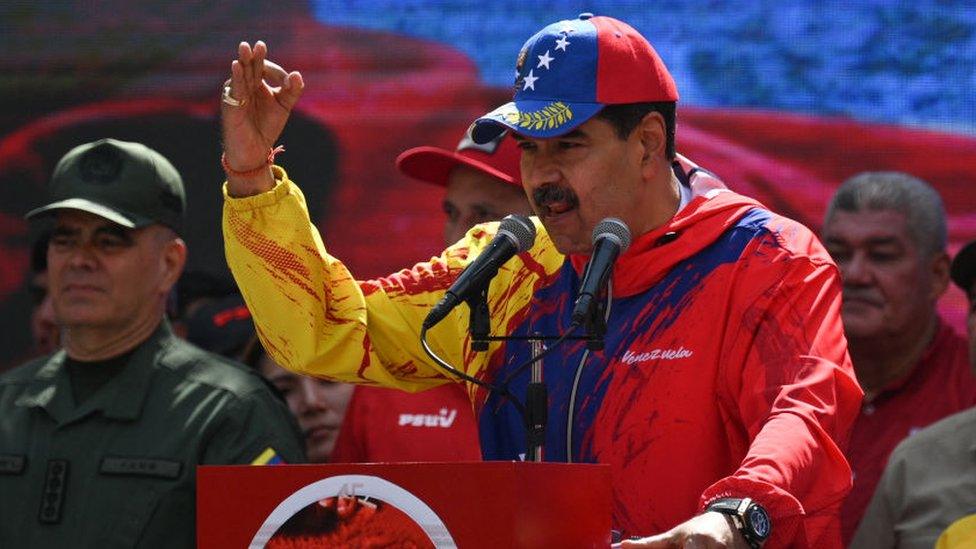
(120, 469)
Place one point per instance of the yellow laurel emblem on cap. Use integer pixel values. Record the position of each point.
(551, 116)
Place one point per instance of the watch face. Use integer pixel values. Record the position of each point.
(758, 521)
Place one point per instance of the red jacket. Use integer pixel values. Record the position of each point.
(725, 373)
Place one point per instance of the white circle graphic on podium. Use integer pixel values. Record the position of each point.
(361, 510)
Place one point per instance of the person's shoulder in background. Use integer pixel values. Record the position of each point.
(946, 438)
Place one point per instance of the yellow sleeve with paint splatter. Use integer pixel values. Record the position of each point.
(314, 318)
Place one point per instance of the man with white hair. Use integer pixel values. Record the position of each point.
(887, 233)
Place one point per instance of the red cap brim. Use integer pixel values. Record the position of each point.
(434, 165)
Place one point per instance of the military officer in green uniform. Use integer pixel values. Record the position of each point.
(99, 442)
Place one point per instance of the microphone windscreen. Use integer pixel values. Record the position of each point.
(519, 229)
(614, 229)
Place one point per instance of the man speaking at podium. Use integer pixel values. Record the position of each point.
(723, 396)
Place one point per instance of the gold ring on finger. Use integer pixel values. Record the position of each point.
(226, 98)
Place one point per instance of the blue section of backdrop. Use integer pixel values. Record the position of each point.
(903, 62)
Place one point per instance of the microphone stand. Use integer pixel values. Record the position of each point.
(536, 395)
(595, 325)
(536, 406)
(479, 321)
(535, 411)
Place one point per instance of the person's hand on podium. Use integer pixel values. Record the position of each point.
(706, 531)
(255, 105)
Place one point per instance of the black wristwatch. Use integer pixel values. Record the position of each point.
(748, 516)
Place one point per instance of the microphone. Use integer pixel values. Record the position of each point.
(515, 234)
(611, 237)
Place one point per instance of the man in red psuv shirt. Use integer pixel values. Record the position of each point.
(887, 233)
(481, 183)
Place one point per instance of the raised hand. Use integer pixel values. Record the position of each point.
(254, 111)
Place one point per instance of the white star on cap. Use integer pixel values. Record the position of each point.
(562, 43)
(530, 81)
(544, 60)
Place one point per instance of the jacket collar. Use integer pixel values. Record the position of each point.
(713, 209)
(121, 398)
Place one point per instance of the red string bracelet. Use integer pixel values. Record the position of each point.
(255, 171)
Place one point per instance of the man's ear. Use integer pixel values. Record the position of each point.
(939, 265)
(652, 135)
(173, 260)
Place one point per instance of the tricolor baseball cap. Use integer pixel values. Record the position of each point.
(124, 182)
(498, 158)
(570, 70)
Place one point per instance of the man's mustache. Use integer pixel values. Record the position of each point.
(549, 194)
(859, 294)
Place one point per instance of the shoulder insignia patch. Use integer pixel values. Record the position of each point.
(268, 457)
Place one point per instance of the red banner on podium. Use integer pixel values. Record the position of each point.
(489, 504)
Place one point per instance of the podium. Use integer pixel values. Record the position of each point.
(467, 505)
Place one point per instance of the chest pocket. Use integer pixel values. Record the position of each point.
(132, 490)
(11, 464)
